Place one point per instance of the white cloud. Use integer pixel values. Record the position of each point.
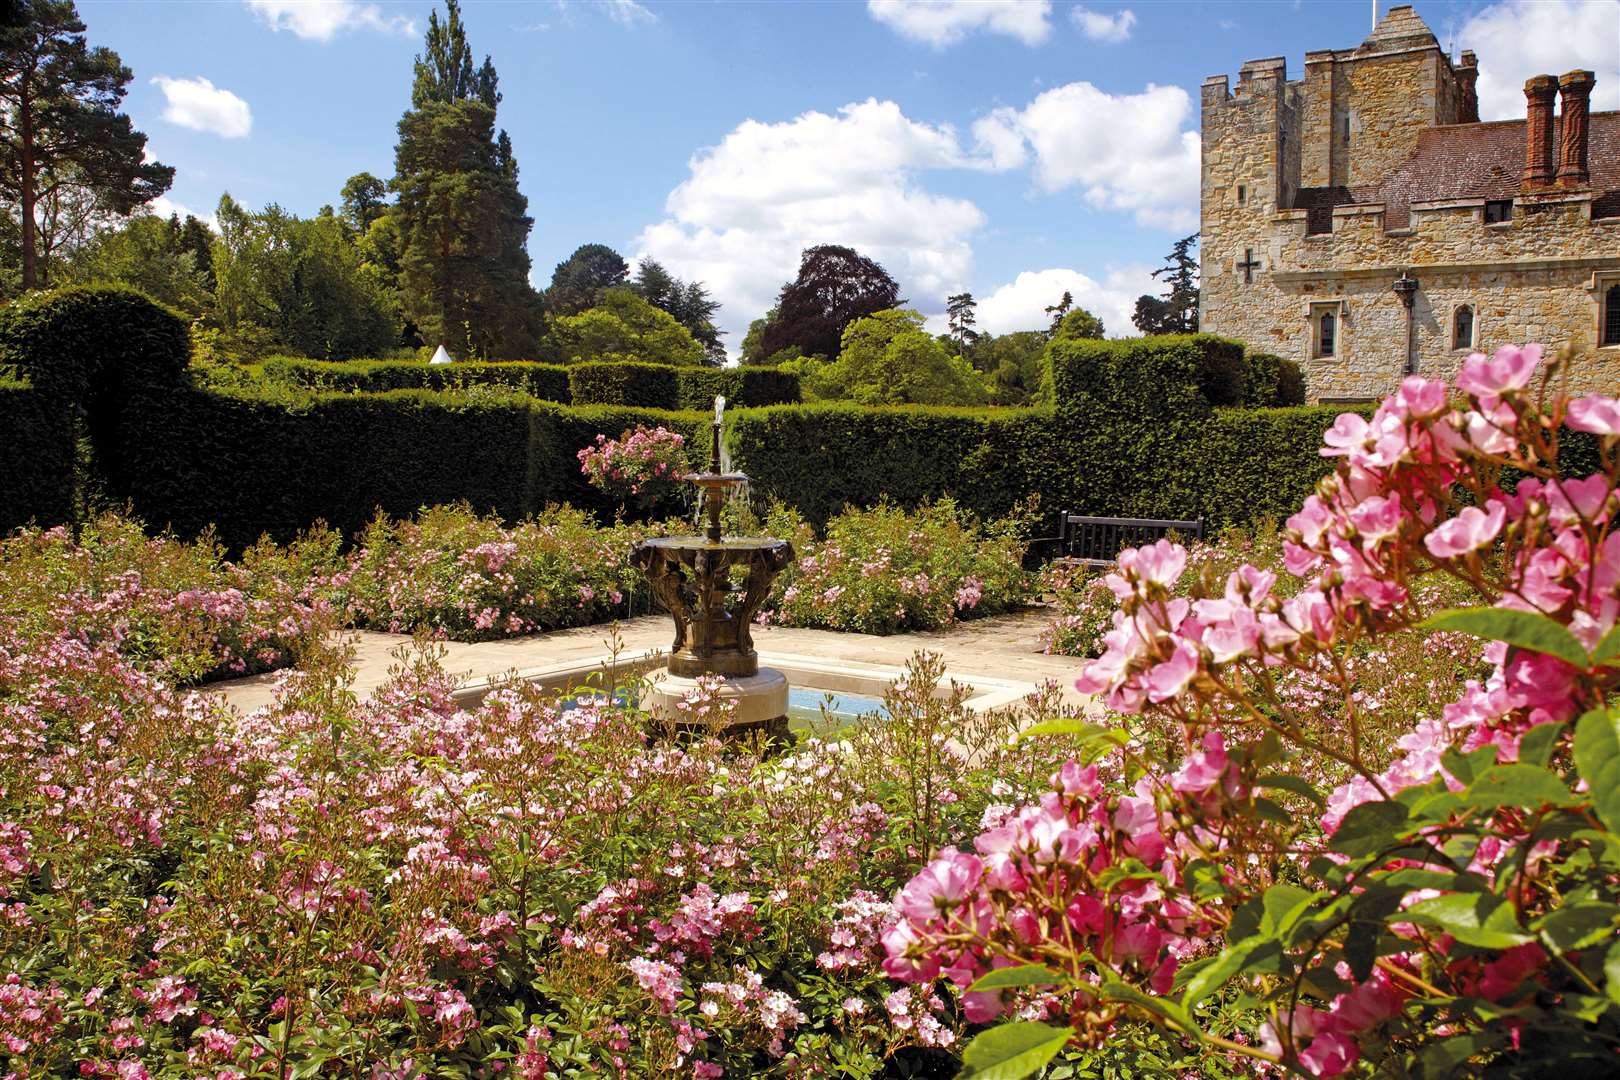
(767, 191)
(164, 207)
(1100, 27)
(1020, 304)
(202, 106)
(1123, 151)
(1517, 40)
(322, 20)
(628, 13)
(945, 22)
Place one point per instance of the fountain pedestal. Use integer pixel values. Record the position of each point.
(692, 577)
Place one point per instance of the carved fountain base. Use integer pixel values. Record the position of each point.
(692, 577)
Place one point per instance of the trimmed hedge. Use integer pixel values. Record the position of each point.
(1133, 432)
(664, 386)
(820, 458)
(36, 459)
(250, 465)
(646, 386)
(548, 382)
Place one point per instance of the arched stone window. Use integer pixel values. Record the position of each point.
(1611, 315)
(1462, 328)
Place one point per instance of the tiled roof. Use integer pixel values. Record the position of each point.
(1472, 161)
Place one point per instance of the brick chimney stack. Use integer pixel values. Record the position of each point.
(1539, 91)
(1575, 111)
(1467, 76)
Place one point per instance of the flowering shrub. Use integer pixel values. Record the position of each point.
(1085, 609)
(643, 466)
(178, 610)
(1450, 910)
(469, 578)
(886, 570)
(403, 888)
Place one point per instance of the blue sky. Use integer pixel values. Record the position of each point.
(1014, 149)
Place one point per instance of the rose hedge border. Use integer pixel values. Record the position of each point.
(1133, 433)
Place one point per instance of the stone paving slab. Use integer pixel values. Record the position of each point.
(1002, 647)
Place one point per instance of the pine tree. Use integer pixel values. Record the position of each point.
(1176, 312)
(62, 138)
(959, 314)
(463, 223)
(1058, 310)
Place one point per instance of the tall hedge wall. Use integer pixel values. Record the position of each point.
(36, 459)
(548, 382)
(663, 386)
(1134, 432)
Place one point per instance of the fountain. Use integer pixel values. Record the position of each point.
(692, 578)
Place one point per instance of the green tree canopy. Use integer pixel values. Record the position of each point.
(168, 260)
(688, 301)
(365, 199)
(835, 286)
(1014, 365)
(579, 281)
(1176, 311)
(63, 143)
(1078, 323)
(463, 224)
(623, 326)
(297, 284)
(889, 359)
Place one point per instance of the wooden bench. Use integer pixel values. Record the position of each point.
(1097, 541)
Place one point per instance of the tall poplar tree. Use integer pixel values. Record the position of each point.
(62, 138)
(464, 272)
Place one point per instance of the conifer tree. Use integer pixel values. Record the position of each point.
(464, 272)
(60, 127)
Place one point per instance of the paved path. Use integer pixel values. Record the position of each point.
(1004, 647)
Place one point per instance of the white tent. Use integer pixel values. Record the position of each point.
(441, 357)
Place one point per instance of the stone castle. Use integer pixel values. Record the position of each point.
(1363, 222)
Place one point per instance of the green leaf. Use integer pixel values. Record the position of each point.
(1537, 745)
(1283, 905)
(1479, 919)
(1164, 1008)
(1292, 783)
(1521, 629)
(1087, 732)
(1012, 1051)
(1023, 975)
(1576, 926)
(1608, 649)
(1232, 960)
(1611, 972)
(1597, 756)
(1368, 827)
(1529, 786)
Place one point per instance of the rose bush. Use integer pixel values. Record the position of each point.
(885, 570)
(643, 467)
(170, 608)
(470, 578)
(400, 887)
(1450, 906)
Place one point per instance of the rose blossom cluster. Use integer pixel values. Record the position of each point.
(1418, 489)
(1087, 882)
(643, 461)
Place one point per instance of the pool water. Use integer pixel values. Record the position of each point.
(805, 705)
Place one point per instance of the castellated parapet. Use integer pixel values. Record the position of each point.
(1318, 194)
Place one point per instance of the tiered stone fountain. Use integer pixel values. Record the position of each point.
(692, 578)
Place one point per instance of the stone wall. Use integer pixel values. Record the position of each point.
(1535, 277)
(1528, 279)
